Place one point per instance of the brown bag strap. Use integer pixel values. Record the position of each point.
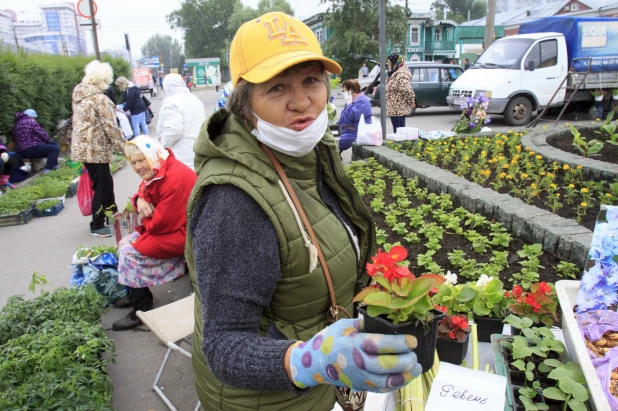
(334, 309)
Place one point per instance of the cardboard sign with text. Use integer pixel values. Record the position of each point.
(462, 389)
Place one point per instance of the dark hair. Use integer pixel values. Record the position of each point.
(351, 85)
(466, 59)
(239, 102)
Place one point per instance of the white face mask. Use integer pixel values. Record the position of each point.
(347, 96)
(290, 142)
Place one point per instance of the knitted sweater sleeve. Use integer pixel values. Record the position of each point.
(237, 267)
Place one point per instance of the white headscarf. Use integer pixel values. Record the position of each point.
(154, 151)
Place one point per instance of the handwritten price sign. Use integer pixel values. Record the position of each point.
(462, 389)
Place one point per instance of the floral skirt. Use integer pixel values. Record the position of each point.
(138, 271)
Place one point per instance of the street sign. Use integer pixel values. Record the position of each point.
(150, 62)
(83, 8)
(88, 24)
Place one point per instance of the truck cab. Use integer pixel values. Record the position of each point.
(520, 75)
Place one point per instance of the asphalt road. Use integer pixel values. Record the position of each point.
(47, 244)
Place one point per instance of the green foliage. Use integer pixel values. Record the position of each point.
(458, 9)
(210, 25)
(168, 47)
(95, 251)
(586, 149)
(44, 83)
(566, 269)
(354, 24)
(47, 204)
(50, 348)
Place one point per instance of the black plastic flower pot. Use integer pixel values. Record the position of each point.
(486, 326)
(452, 351)
(426, 336)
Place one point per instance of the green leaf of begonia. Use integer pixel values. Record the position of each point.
(383, 282)
(380, 298)
(480, 308)
(374, 310)
(466, 294)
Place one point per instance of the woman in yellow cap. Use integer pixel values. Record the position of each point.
(267, 335)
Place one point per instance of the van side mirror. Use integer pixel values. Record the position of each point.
(531, 66)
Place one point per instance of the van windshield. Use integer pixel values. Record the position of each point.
(503, 54)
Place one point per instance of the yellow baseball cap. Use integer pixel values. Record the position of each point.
(266, 46)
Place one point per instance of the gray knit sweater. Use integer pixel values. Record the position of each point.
(237, 267)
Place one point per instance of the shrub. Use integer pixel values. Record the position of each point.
(44, 83)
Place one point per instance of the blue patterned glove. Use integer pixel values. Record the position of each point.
(342, 355)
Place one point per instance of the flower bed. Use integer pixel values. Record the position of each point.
(50, 352)
(441, 238)
(505, 165)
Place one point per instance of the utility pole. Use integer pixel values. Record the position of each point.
(15, 34)
(95, 37)
(171, 60)
(489, 24)
(382, 37)
(405, 38)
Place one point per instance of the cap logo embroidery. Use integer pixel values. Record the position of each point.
(288, 34)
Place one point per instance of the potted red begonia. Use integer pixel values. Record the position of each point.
(399, 302)
(453, 339)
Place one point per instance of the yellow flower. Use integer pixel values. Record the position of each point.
(571, 185)
(557, 194)
(510, 177)
(584, 204)
(466, 158)
(579, 167)
(505, 166)
(550, 175)
(510, 131)
(553, 186)
(584, 190)
(543, 173)
(565, 167)
(555, 163)
(524, 175)
(502, 175)
(434, 157)
(396, 148)
(531, 153)
(539, 157)
(532, 185)
(527, 149)
(608, 195)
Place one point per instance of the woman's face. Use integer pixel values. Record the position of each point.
(293, 99)
(140, 166)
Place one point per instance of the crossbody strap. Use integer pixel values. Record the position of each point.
(334, 308)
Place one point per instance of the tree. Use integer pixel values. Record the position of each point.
(458, 9)
(210, 25)
(354, 26)
(205, 25)
(167, 47)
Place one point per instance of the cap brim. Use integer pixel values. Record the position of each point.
(275, 65)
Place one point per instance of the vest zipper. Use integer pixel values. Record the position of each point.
(353, 239)
(363, 279)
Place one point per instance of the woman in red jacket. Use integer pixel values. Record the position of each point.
(154, 254)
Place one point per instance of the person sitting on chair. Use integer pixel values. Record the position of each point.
(154, 253)
(32, 141)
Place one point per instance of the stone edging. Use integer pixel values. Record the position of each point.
(561, 236)
(538, 141)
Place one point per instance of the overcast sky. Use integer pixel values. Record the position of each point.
(143, 18)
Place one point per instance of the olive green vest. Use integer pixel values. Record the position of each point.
(227, 153)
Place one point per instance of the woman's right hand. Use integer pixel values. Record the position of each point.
(144, 208)
(343, 355)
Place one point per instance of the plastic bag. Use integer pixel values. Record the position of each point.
(593, 325)
(102, 273)
(369, 134)
(85, 193)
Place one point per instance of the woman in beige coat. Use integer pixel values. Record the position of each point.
(399, 93)
(95, 132)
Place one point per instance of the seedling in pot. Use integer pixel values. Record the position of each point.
(570, 389)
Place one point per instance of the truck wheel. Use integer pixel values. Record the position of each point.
(411, 113)
(518, 112)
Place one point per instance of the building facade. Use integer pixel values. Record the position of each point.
(317, 24)
(58, 31)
